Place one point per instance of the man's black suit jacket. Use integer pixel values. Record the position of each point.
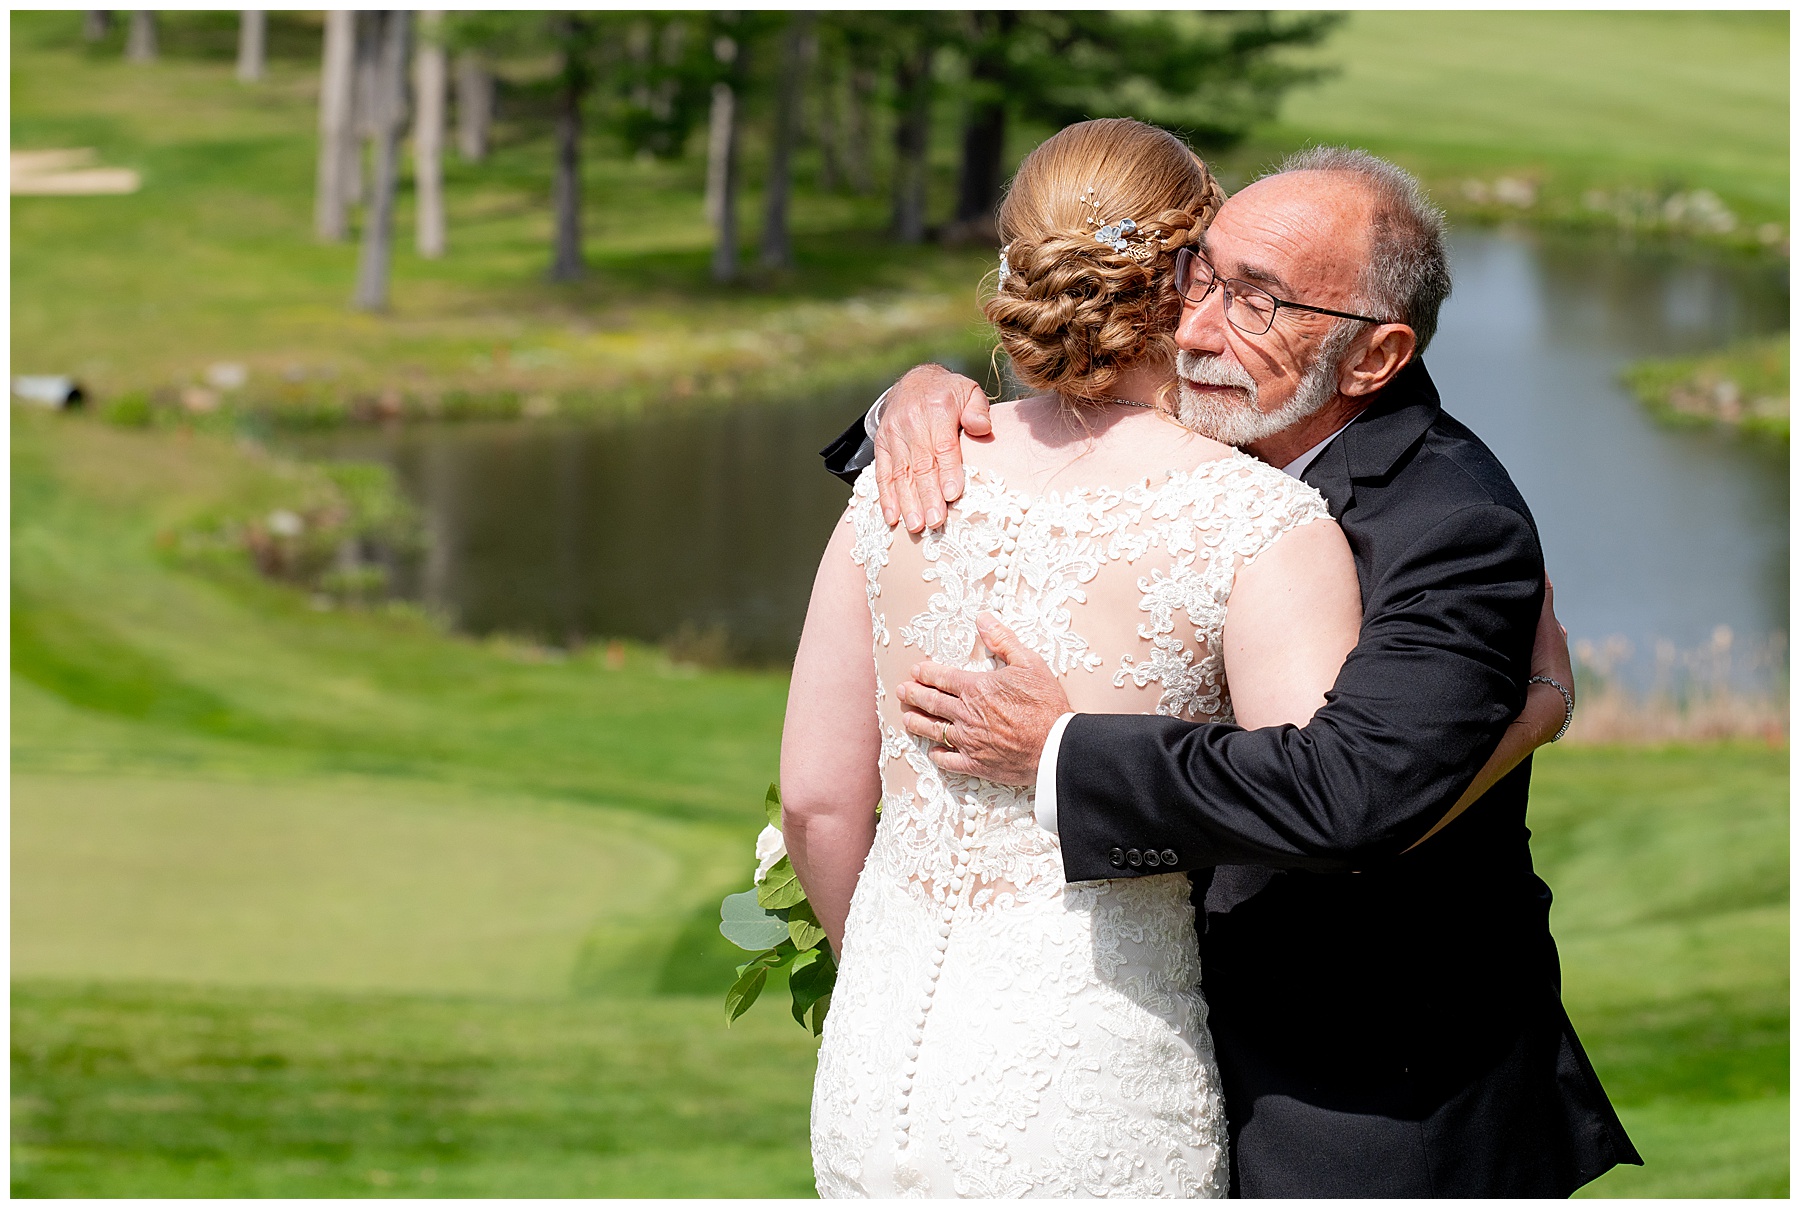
(1388, 1023)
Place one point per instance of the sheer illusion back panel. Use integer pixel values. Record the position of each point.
(1122, 590)
(995, 1031)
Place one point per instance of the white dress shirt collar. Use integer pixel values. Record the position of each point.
(1298, 466)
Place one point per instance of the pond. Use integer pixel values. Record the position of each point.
(704, 525)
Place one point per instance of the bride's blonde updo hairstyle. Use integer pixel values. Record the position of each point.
(1072, 312)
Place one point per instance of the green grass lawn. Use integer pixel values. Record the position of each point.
(320, 904)
(1577, 100)
(134, 1090)
(346, 885)
(1671, 875)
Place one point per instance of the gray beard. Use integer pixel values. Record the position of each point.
(1238, 421)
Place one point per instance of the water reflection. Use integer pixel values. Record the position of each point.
(708, 522)
(1648, 532)
(704, 523)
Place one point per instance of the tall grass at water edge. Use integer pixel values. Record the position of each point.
(1724, 689)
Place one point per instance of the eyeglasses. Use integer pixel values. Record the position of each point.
(1250, 309)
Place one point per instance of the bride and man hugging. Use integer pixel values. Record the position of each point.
(1172, 841)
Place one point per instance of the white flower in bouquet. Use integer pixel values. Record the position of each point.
(770, 848)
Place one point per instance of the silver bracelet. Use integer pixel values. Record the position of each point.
(1568, 703)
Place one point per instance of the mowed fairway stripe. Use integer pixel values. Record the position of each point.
(342, 885)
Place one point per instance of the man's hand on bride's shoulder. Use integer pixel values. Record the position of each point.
(918, 445)
(992, 725)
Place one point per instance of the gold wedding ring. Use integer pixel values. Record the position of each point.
(944, 736)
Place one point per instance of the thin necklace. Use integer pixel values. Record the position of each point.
(1150, 407)
(1070, 399)
(1160, 413)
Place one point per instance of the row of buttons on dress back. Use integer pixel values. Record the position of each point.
(1121, 857)
(909, 1069)
(1006, 583)
(1006, 586)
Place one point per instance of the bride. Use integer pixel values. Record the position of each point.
(996, 1031)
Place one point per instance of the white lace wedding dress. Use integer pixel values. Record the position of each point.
(996, 1031)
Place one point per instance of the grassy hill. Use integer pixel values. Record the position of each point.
(330, 903)
(1608, 100)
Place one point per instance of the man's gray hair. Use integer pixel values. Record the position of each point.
(1408, 274)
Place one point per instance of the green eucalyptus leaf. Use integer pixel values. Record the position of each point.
(749, 925)
(802, 1000)
(781, 888)
(811, 979)
(772, 805)
(744, 991)
(752, 976)
(803, 926)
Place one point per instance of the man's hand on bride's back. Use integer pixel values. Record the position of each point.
(918, 445)
(991, 725)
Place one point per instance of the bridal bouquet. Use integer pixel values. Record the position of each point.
(776, 924)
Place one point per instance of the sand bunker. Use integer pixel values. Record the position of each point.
(71, 172)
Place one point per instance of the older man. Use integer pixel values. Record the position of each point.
(1383, 984)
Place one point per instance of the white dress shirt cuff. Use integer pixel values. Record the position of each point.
(1046, 778)
(872, 421)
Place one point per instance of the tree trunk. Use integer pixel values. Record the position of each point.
(253, 36)
(859, 138)
(719, 118)
(911, 140)
(777, 244)
(567, 263)
(978, 185)
(364, 108)
(829, 86)
(474, 106)
(140, 39)
(722, 161)
(96, 23)
(388, 103)
(337, 140)
(984, 131)
(429, 85)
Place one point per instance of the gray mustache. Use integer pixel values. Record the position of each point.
(1213, 371)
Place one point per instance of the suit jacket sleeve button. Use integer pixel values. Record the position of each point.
(1117, 857)
(1152, 857)
(1134, 858)
(1168, 856)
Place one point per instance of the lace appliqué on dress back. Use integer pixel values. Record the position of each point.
(996, 1031)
